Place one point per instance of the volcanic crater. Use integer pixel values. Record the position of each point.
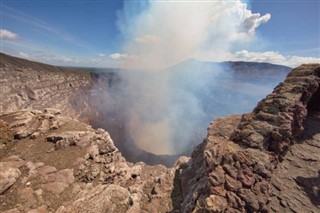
(52, 160)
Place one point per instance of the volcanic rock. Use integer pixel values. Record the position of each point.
(255, 157)
(87, 174)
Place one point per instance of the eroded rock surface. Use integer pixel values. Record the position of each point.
(247, 170)
(53, 163)
(30, 85)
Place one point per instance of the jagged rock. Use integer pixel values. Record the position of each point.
(216, 203)
(181, 162)
(217, 177)
(280, 115)
(232, 184)
(45, 178)
(136, 171)
(260, 141)
(8, 177)
(9, 172)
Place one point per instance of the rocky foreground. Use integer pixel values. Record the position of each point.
(52, 163)
(267, 161)
(264, 161)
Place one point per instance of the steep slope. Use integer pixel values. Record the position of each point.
(26, 84)
(247, 169)
(31, 85)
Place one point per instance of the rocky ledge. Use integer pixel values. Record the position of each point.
(247, 168)
(52, 163)
(264, 161)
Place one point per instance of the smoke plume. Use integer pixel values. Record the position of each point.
(163, 101)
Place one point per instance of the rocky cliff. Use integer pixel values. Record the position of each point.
(264, 161)
(53, 163)
(32, 85)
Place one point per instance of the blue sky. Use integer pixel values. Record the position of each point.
(96, 33)
(294, 27)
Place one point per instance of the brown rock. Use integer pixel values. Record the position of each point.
(8, 176)
(27, 195)
(234, 201)
(46, 170)
(246, 180)
(41, 209)
(102, 198)
(231, 170)
(261, 170)
(250, 199)
(15, 210)
(65, 176)
(218, 190)
(217, 177)
(216, 203)
(55, 187)
(232, 184)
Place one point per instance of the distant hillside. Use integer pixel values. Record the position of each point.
(240, 68)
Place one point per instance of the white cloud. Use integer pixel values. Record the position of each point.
(148, 39)
(272, 57)
(124, 56)
(294, 61)
(7, 35)
(118, 56)
(64, 60)
(252, 21)
(23, 55)
(269, 56)
(101, 54)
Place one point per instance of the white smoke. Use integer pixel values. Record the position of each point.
(164, 33)
(161, 34)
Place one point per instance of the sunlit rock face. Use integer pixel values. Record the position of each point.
(244, 164)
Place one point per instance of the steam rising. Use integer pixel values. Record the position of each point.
(163, 103)
(163, 33)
